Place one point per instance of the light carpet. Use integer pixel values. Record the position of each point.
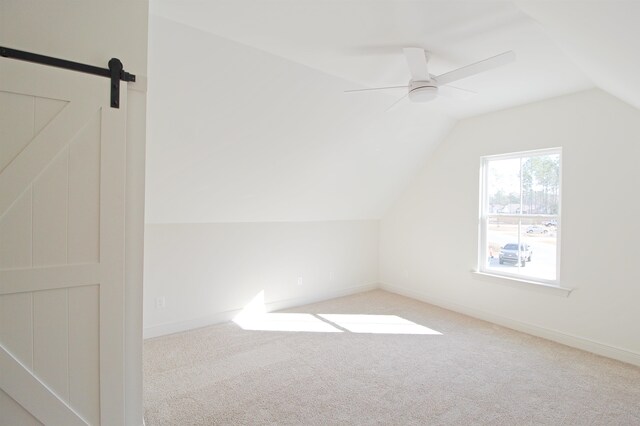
(473, 373)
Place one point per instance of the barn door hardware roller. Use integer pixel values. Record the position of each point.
(115, 72)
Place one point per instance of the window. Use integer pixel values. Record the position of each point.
(520, 215)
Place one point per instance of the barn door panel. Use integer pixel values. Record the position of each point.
(62, 162)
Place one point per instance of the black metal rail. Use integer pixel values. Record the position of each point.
(115, 72)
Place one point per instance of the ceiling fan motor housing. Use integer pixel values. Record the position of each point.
(422, 91)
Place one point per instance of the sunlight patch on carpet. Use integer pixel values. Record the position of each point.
(254, 317)
(378, 324)
(284, 322)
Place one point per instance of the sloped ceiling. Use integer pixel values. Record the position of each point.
(361, 41)
(236, 134)
(601, 37)
(248, 120)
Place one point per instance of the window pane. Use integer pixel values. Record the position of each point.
(520, 211)
(541, 236)
(503, 186)
(536, 255)
(502, 245)
(541, 184)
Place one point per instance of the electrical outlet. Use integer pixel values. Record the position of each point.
(160, 302)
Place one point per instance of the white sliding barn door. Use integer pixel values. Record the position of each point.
(62, 192)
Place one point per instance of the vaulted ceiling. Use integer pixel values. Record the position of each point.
(248, 120)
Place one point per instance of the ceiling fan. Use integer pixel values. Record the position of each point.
(424, 87)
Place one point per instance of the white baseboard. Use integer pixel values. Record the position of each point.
(176, 327)
(220, 317)
(546, 333)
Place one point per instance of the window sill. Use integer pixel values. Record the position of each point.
(501, 279)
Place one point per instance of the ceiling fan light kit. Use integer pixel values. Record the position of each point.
(422, 91)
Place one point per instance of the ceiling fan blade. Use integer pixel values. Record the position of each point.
(453, 92)
(417, 61)
(471, 92)
(376, 88)
(393, 105)
(476, 68)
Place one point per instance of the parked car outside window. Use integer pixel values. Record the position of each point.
(509, 254)
(537, 229)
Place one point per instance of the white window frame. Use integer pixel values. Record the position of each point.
(484, 215)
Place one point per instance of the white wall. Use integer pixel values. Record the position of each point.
(94, 32)
(207, 272)
(429, 238)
